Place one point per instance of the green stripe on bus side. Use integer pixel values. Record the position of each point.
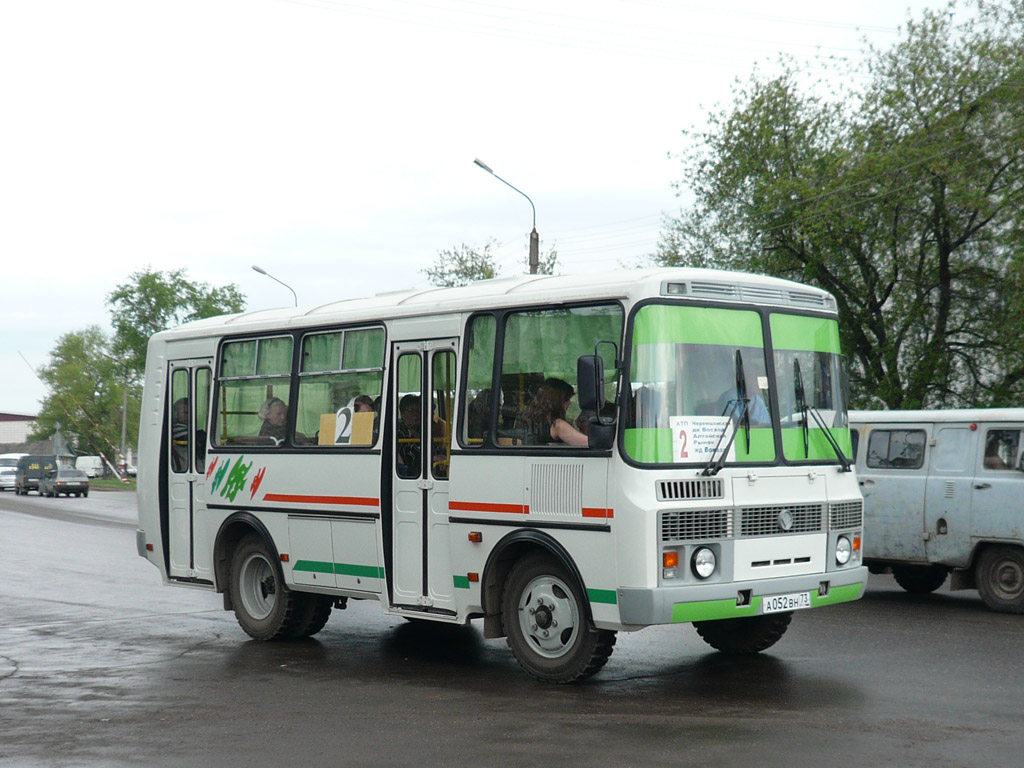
(714, 609)
(805, 334)
(837, 595)
(602, 596)
(662, 324)
(654, 446)
(342, 569)
(461, 582)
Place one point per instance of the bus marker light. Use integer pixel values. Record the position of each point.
(149, 547)
(670, 559)
(473, 577)
(856, 543)
(476, 537)
(284, 558)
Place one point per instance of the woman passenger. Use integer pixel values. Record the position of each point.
(544, 418)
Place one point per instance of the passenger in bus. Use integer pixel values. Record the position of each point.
(409, 435)
(274, 413)
(543, 421)
(478, 415)
(365, 404)
(757, 403)
(179, 434)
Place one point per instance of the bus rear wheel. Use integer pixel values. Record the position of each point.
(751, 634)
(920, 579)
(546, 623)
(264, 607)
(1000, 578)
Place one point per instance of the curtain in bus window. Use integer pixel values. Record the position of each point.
(545, 344)
(252, 402)
(480, 368)
(339, 388)
(683, 387)
(810, 346)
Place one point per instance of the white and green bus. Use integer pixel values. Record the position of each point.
(562, 457)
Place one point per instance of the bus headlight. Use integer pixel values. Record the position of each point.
(843, 550)
(703, 562)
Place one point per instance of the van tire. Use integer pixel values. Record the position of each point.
(1000, 578)
(920, 579)
(746, 635)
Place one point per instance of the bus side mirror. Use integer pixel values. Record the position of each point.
(590, 382)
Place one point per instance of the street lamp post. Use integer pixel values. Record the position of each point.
(534, 237)
(264, 272)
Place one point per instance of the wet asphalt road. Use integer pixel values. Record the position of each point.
(101, 665)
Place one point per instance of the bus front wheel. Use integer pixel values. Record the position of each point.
(750, 634)
(265, 608)
(546, 623)
(1000, 579)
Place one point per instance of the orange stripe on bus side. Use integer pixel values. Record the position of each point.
(353, 501)
(474, 506)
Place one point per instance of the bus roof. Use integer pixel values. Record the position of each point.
(692, 283)
(948, 415)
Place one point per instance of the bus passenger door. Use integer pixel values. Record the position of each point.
(423, 402)
(188, 416)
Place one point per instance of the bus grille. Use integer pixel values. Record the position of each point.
(687, 490)
(692, 524)
(768, 521)
(846, 514)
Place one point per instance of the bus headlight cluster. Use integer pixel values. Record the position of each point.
(703, 562)
(844, 549)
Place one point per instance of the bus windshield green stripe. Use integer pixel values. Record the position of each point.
(673, 324)
(803, 333)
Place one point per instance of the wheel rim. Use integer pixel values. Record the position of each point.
(257, 586)
(1007, 579)
(549, 617)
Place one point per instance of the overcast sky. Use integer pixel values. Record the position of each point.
(332, 141)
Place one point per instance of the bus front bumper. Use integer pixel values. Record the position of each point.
(705, 602)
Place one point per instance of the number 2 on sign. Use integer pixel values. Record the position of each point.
(682, 448)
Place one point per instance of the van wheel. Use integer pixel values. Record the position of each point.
(750, 634)
(1000, 578)
(546, 624)
(920, 579)
(264, 607)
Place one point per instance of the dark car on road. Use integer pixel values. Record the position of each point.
(64, 480)
(30, 472)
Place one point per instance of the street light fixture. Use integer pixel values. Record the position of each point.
(264, 272)
(534, 237)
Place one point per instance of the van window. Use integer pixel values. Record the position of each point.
(896, 449)
(1001, 448)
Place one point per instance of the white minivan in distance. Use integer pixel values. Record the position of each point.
(944, 493)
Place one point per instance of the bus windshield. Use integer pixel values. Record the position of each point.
(696, 374)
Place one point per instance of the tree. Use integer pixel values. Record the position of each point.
(463, 264)
(904, 200)
(85, 394)
(154, 301)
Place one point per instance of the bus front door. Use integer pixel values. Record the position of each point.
(187, 419)
(422, 403)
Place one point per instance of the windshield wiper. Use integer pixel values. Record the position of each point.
(806, 409)
(801, 403)
(717, 460)
(831, 440)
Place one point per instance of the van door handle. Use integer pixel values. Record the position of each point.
(867, 482)
(982, 486)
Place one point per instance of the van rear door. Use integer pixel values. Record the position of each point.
(948, 498)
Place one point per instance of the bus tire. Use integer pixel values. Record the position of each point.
(312, 614)
(546, 622)
(1000, 578)
(750, 634)
(920, 579)
(264, 607)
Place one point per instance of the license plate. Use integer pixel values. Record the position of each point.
(791, 602)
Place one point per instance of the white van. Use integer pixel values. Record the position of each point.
(9, 469)
(944, 492)
(91, 465)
